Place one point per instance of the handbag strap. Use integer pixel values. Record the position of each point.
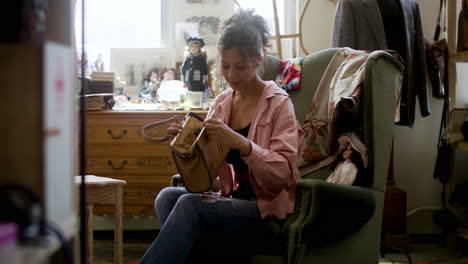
(151, 139)
(439, 22)
(443, 123)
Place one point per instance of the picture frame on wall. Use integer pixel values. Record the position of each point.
(207, 27)
(200, 18)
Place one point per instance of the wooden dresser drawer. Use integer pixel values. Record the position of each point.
(123, 134)
(115, 165)
(116, 149)
(128, 150)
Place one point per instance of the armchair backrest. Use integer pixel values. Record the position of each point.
(381, 79)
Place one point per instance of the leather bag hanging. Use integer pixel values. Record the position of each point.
(462, 42)
(437, 60)
(196, 157)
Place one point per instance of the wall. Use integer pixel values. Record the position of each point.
(317, 24)
(415, 148)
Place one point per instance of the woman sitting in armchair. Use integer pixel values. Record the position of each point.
(256, 120)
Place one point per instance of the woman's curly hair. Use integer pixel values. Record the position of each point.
(246, 31)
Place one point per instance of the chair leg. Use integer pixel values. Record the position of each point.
(89, 216)
(118, 227)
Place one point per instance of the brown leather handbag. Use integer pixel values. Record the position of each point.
(462, 42)
(437, 60)
(196, 157)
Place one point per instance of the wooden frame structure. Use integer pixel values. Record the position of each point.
(278, 37)
(454, 56)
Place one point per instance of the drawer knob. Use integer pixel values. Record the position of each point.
(109, 131)
(122, 164)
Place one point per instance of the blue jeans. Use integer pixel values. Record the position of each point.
(184, 216)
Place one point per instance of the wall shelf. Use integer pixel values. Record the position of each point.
(462, 145)
(459, 57)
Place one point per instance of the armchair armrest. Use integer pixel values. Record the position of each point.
(325, 212)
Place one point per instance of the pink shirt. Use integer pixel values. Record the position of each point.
(275, 137)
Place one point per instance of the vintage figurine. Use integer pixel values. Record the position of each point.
(150, 84)
(355, 160)
(168, 74)
(195, 68)
(83, 63)
(99, 63)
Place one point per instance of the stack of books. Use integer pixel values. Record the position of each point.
(98, 101)
(102, 76)
(94, 102)
(84, 83)
(102, 82)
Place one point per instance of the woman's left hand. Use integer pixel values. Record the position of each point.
(218, 131)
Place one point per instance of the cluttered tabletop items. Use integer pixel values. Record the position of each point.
(153, 79)
(103, 91)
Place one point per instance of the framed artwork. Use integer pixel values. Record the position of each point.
(201, 18)
(207, 27)
(133, 64)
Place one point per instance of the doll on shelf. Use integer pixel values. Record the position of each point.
(150, 85)
(169, 74)
(83, 63)
(195, 67)
(350, 171)
(99, 63)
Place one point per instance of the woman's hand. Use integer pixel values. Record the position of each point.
(224, 135)
(176, 127)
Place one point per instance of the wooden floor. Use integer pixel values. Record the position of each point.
(136, 243)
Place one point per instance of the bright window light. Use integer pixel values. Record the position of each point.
(118, 24)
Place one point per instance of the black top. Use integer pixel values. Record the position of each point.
(244, 189)
(234, 156)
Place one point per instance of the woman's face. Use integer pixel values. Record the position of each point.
(238, 71)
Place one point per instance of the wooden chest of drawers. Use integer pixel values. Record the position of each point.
(116, 149)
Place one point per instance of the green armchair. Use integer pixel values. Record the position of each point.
(333, 223)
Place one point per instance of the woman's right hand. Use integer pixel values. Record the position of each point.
(176, 127)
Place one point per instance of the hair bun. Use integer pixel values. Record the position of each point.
(246, 22)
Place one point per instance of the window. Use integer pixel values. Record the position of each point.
(145, 34)
(118, 24)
